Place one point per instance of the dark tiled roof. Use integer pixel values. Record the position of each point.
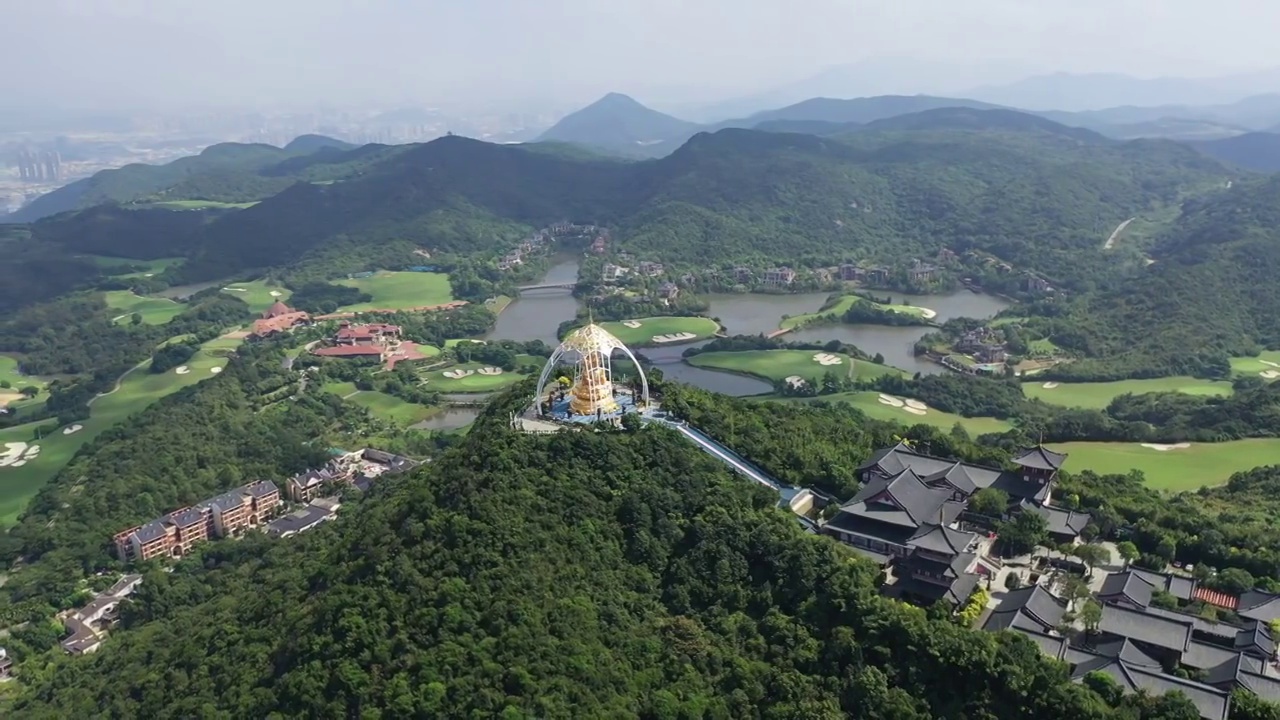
(1138, 625)
(955, 476)
(903, 499)
(187, 518)
(1209, 701)
(891, 461)
(1126, 586)
(959, 590)
(1255, 639)
(1040, 607)
(941, 539)
(1258, 605)
(1125, 650)
(1040, 458)
(262, 488)
(1060, 521)
(151, 531)
(1177, 586)
(1055, 646)
(226, 501)
(299, 520)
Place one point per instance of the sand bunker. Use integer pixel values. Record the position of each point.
(235, 289)
(1166, 448)
(1268, 362)
(182, 370)
(12, 451)
(490, 371)
(215, 370)
(632, 323)
(674, 337)
(828, 359)
(1270, 374)
(891, 400)
(458, 374)
(1049, 385)
(928, 314)
(275, 293)
(916, 405)
(8, 397)
(795, 381)
(915, 411)
(17, 454)
(72, 430)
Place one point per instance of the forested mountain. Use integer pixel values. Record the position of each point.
(618, 124)
(1255, 151)
(1210, 293)
(1033, 193)
(227, 172)
(570, 575)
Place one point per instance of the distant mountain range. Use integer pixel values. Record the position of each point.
(619, 125)
(1094, 91)
(1258, 151)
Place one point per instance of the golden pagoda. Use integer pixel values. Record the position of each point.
(591, 349)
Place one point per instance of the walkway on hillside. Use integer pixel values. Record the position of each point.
(1115, 234)
(727, 456)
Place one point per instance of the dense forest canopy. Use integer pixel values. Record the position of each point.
(573, 575)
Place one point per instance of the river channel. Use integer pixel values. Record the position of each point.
(537, 315)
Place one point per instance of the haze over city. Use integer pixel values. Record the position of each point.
(554, 54)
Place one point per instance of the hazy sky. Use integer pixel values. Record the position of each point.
(113, 53)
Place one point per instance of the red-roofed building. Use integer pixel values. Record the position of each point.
(279, 318)
(1217, 597)
(378, 340)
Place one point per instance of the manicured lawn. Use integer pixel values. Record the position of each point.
(869, 403)
(17, 381)
(834, 312)
(341, 389)
(1268, 360)
(1179, 469)
(154, 310)
(199, 204)
(453, 342)
(137, 390)
(391, 408)
(258, 294)
(642, 336)
(1043, 346)
(781, 364)
(1100, 394)
(401, 290)
(473, 383)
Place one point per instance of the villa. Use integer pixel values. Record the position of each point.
(375, 340)
(87, 626)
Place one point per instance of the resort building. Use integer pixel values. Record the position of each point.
(226, 515)
(650, 269)
(6, 666)
(278, 318)
(320, 510)
(360, 467)
(375, 340)
(87, 626)
(850, 272)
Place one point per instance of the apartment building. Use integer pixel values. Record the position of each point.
(176, 533)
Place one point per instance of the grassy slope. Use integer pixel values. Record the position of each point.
(398, 290)
(137, 390)
(1184, 469)
(781, 364)
(836, 311)
(154, 310)
(702, 327)
(869, 403)
(391, 408)
(257, 294)
(1100, 394)
(199, 204)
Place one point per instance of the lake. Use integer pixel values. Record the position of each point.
(451, 419)
(537, 315)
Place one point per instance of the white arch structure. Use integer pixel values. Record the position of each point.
(591, 349)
